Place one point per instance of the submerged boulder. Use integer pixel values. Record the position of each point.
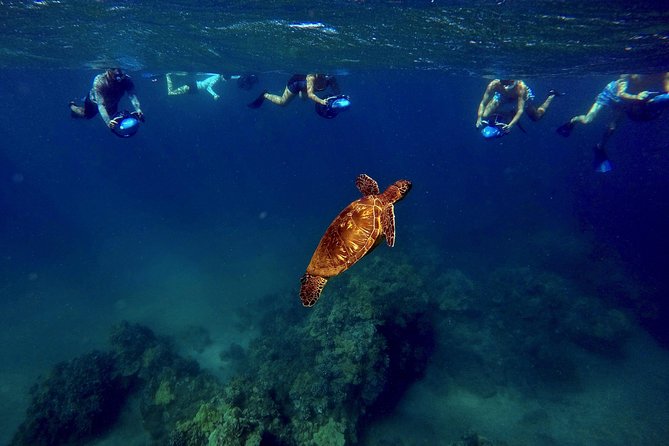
(79, 400)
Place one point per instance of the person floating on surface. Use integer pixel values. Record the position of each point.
(504, 93)
(106, 92)
(303, 85)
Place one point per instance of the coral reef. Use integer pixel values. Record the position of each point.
(548, 309)
(79, 400)
(522, 327)
(316, 377)
(82, 398)
(170, 387)
(475, 440)
(313, 378)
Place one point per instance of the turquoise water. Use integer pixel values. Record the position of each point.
(533, 289)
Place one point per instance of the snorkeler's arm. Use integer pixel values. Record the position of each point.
(519, 112)
(98, 98)
(103, 111)
(623, 94)
(135, 102)
(310, 91)
(484, 101)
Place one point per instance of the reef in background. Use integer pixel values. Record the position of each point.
(318, 376)
(82, 398)
(311, 377)
(314, 375)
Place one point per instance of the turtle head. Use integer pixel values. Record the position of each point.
(398, 190)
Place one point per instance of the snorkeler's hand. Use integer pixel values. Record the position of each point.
(506, 128)
(643, 95)
(479, 123)
(138, 115)
(114, 122)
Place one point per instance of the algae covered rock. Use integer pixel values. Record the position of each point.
(79, 400)
(82, 398)
(314, 375)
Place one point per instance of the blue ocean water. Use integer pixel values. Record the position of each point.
(212, 207)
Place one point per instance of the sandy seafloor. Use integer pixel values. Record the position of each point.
(213, 206)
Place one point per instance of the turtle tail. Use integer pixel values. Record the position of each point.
(311, 288)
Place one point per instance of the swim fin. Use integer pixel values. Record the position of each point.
(258, 101)
(566, 128)
(601, 162)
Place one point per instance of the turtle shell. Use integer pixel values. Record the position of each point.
(354, 233)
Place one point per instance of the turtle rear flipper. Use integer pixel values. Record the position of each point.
(311, 288)
(388, 224)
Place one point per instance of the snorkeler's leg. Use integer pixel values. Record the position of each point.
(168, 80)
(171, 91)
(566, 128)
(538, 113)
(87, 110)
(77, 111)
(534, 113)
(490, 108)
(590, 116)
(280, 100)
(610, 129)
(601, 161)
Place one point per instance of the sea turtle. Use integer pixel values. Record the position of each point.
(355, 232)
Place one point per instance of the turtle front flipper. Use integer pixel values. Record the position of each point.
(367, 185)
(388, 224)
(311, 288)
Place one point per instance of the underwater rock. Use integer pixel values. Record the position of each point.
(542, 308)
(79, 400)
(170, 387)
(314, 378)
(310, 378)
(525, 328)
(475, 440)
(82, 398)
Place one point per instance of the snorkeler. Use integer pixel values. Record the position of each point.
(195, 86)
(304, 85)
(245, 82)
(640, 97)
(617, 97)
(107, 90)
(514, 94)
